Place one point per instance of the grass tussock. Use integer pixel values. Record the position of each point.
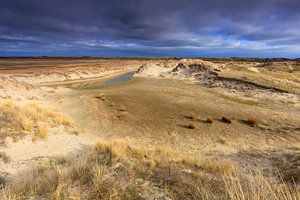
(209, 120)
(227, 119)
(101, 97)
(260, 188)
(26, 124)
(120, 170)
(252, 121)
(191, 126)
(30, 118)
(122, 115)
(41, 130)
(123, 109)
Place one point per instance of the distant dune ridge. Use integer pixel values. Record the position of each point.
(215, 75)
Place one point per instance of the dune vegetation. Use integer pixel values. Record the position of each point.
(19, 119)
(122, 170)
(178, 129)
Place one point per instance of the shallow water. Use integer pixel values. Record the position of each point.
(114, 81)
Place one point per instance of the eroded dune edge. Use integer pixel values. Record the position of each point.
(179, 129)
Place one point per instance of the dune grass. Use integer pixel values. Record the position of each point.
(209, 120)
(253, 121)
(121, 170)
(227, 119)
(29, 117)
(190, 126)
(41, 130)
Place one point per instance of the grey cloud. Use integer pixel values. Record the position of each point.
(144, 24)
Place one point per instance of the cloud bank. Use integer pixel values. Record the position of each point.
(252, 28)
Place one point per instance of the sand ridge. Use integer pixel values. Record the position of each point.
(210, 75)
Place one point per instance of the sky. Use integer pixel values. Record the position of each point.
(138, 28)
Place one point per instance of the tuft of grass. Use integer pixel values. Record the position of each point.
(191, 126)
(101, 97)
(259, 187)
(41, 130)
(123, 109)
(26, 124)
(227, 119)
(61, 119)
(252, 121)
(209, 120)
(122, 115)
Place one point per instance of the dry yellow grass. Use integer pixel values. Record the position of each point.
(123, 109)
(252, 121)
(26, 124)
(120, 170)
(41, 130)
(209, 120)
(259, 188)
(227, 119)
(30, 117)
(190, 126)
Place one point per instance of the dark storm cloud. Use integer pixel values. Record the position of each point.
(150, 27)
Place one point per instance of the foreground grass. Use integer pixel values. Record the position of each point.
(120, 170)
(30, 118)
